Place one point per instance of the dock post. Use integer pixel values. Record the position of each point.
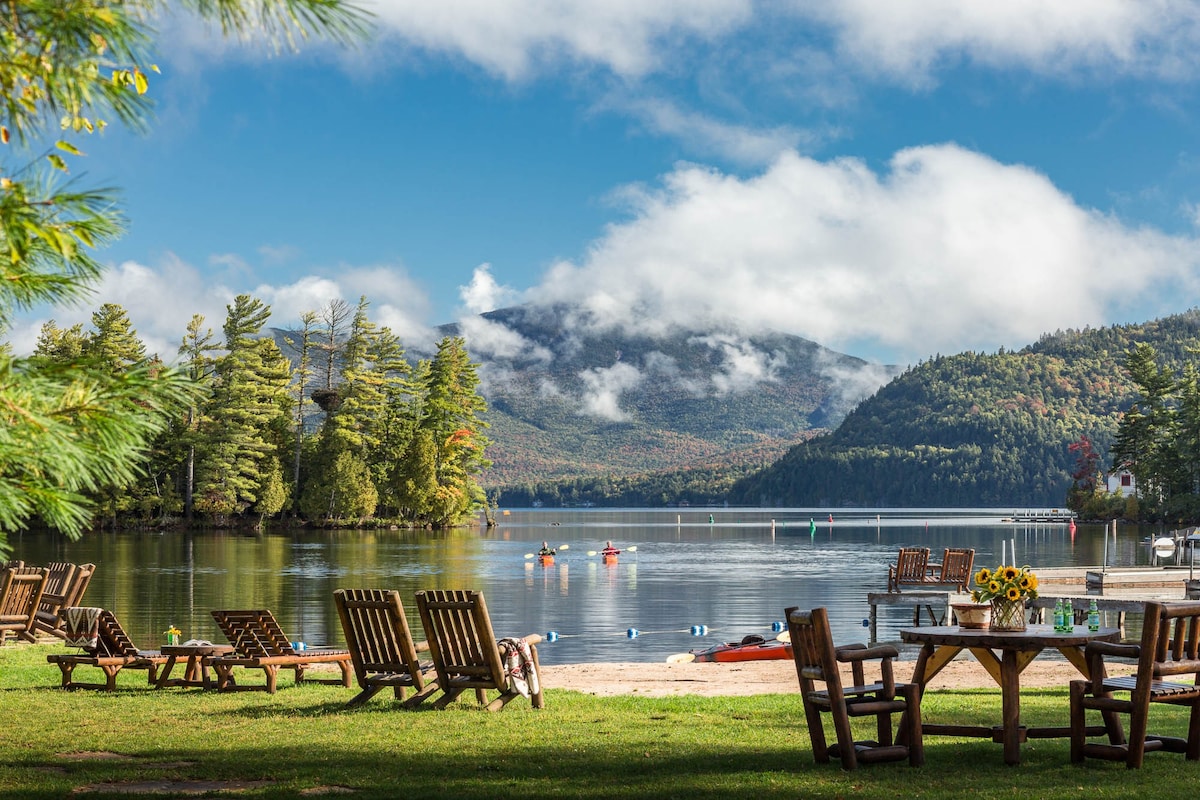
(874, 622)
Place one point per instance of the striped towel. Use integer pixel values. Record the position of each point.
(519, 666)
(81, 625)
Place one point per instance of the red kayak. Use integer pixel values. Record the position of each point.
(751, 648)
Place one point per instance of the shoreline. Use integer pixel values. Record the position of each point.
(662, 679)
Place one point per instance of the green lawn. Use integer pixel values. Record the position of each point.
(300, 742)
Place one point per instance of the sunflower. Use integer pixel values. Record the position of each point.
(983, 576)
(1013, 593)
(1010, 573)
(994, 587)
(1025, 582)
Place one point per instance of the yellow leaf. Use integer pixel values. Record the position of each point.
(5, 183)
(57, 162)
(67, 147)
(4, 135)
(140, 81)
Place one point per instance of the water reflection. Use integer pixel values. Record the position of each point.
(734, 575)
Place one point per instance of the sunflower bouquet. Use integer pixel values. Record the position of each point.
(1004, 583)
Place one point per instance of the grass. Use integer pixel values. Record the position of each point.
(300, 742)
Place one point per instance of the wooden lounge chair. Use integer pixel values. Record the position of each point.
(1169, 647)
(20, 593)
(817, 660)
(381, 646)
(111, 652)
(259, 643)
(48, 620)
(955, 569)
(910, 569)
(466, 654)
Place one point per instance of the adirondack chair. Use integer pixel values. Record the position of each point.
(910, 569)
(105, 646)
(466, 654)
(48, 619)
(259, 643)
(955, 569)
(20, 592)
(381, 646)
(1169, 647)
(817, 661)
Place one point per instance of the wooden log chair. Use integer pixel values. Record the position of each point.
(20, 593)
(1168, 648)
(259, 643)
(955, 569)
(817, 661)
(105, 645)
(466, 654)
(910, 569)
(48, 619)
(381, 646)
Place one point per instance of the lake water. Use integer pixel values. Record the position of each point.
(734, 574)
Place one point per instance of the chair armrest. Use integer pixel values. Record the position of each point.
(1114, 649)
(851, 653)
(532, 638)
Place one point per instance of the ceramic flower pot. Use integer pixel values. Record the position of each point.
(1008, 615)
(972, 615)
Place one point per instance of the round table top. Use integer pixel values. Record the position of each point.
(1032, 636)
(195, 649)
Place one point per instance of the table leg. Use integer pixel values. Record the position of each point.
(165, 675)
(1010, 703)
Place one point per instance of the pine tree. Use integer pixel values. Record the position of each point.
(246, 422)
(67, 429)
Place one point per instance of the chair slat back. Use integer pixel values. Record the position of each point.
(253, 633)
(1170, 640)
(21, 593)
(59, 577)
(73, 594)
(112, 639)
(376, 630)
(957, 564)
(911, 564)
(461, 641)
(812, 649)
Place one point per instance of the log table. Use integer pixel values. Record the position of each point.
(1004, 654)
(195, 672)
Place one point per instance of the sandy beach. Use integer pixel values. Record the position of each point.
(767, 677)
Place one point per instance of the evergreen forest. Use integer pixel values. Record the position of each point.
(334, 426)
(1008, 429)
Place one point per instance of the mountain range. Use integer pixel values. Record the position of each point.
(570, 401)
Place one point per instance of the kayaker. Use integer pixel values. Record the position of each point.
(546, 550)
(609, 550)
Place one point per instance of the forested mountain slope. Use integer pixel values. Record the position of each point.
(975, 429)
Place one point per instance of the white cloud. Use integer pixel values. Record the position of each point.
(910, 39)
(743, 366)
(161, 301)
(706, 135)
(488, 339)
(484, 294)
(513, 38)
(946, 250)
(605, 386)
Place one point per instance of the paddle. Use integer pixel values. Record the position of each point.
(560, 547)
(627, 550)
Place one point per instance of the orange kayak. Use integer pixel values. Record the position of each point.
(751, 648)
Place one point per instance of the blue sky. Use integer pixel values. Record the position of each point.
(890, 178)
